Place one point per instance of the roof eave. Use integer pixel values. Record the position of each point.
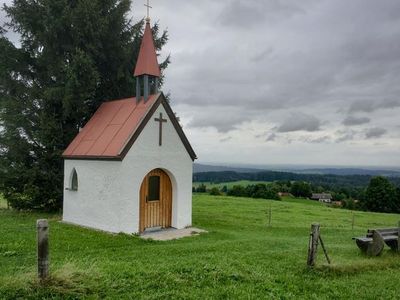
(92, 157)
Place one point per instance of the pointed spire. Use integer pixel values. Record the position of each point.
(147, 63)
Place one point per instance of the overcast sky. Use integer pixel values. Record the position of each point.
(285, 82)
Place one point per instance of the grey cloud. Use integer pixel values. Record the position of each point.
(261, 55)
(292, 64)
(220, 118)
(272, 137)
(228, 138)
(375, 132)
(220, 125)
(345, 135)
(362, 106)
(353, 121)
(318, 140)
(299, 122)
(390, 104)
(369, 106)
(248, 13)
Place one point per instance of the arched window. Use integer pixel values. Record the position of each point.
(74, 181)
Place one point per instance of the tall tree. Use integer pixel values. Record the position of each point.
(73, 55)
(301, 189)
(381, 196)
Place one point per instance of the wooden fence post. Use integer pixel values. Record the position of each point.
(313, 245)
(42, 248)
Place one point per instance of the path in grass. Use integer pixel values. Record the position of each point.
(239, 258)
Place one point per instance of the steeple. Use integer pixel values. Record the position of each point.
(147, 71)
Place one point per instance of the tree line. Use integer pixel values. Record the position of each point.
(379, 195)
(342, 187)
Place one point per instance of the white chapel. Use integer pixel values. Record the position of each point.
(130, 168)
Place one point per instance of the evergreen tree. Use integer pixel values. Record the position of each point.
(73, 55)
(381, 196)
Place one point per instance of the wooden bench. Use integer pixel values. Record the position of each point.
(375, 239)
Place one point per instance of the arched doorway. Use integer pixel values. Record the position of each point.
(155, 200)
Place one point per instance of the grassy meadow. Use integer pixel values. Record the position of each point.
(239, 258)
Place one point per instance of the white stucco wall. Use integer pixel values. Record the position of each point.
(108, 192)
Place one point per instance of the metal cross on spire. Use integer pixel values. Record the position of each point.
(148, 10)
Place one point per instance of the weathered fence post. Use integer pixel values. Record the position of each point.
(313, 245)
(42, 248)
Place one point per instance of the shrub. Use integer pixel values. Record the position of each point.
(215, 192)
(237, 191)
(201, 188)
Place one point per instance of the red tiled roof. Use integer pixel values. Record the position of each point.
(147, 60)
(115, 126)
(109, 130)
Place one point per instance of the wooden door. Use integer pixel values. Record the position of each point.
(155, 200)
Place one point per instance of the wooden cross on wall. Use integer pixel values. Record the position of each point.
(161, 121)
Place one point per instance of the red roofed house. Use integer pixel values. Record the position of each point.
(130, 168)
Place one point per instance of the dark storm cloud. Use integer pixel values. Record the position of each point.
(353, 121)
(375, 133)
(299, 122)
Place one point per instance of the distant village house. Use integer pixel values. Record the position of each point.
(322, 197)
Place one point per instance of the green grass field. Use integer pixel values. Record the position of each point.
(239, 257)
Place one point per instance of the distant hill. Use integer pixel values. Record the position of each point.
(201, 168)
(349, 171)
(327, 181)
